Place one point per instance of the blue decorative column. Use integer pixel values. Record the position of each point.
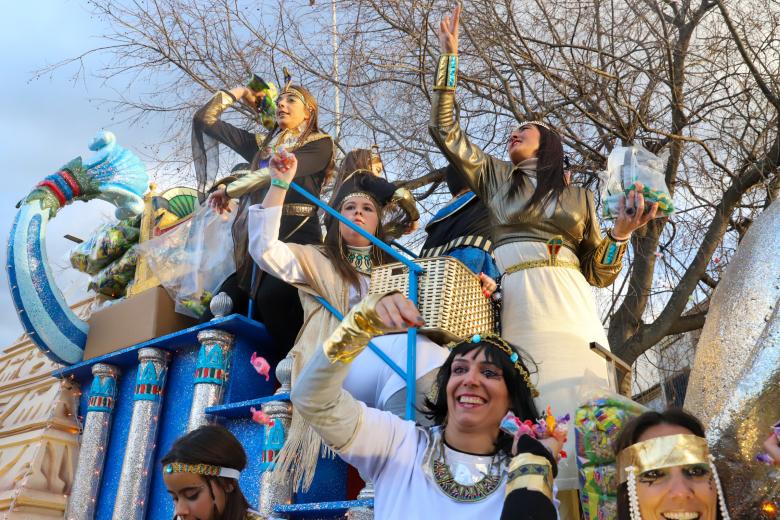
(211, 374)
(94, 438)
(274, 490)
(134, 482)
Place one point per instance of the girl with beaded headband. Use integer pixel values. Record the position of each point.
(463, 465)
(201, 472)
(338, 272)
(665, 470)
(295, 128)
(547, 243)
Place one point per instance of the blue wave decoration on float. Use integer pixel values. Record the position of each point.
(113, 174)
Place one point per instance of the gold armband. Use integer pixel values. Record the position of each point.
(405, 200)
(611, 251)
(356, 330)
(218, 103)
(446, 72)
(532, 472)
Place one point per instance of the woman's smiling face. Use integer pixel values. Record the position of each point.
(477, 396)
(679, 492)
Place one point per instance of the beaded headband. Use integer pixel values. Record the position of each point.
(498, 342)
(364, 194)
(537, 123)
(202, 469)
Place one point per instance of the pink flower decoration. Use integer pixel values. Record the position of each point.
(261, 418)
(261, 365)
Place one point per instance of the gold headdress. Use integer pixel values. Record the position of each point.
(665, 452)
(207, 470)
(537, 123)
(290, 89)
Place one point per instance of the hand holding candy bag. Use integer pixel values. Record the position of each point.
(627, 166)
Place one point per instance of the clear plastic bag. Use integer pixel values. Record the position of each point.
(106, 244)
(114, 279)
(194, 259)
(597, 424)
(628, 165)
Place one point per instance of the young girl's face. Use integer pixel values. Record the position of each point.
(360, 211)
(191, 497)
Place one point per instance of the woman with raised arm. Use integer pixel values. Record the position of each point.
(296, 129)
(462, 467)
(338, 271)
(665, 470)
(547, 240)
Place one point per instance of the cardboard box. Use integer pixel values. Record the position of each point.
(145, 316)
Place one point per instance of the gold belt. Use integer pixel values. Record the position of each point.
(553, 248)
(550, 262)
(299, 210)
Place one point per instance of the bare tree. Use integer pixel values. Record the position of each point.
(696, 80)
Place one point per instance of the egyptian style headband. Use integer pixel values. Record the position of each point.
(364, 194)
(295, 93)
(207, 470)
(665, 452)
(498, 342)
(537, 123)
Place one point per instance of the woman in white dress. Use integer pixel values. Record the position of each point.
(547, 244)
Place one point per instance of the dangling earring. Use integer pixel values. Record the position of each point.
(721, 498)
(633, 501)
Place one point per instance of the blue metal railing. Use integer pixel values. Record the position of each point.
(414, 271)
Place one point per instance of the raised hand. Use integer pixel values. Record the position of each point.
(448, 32)
(284, 166)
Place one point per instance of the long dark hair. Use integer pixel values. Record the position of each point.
(550, 180)
(311, 127)
(521, 401)
(634, 430)
(215, 445)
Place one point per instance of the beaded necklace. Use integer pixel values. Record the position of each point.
(360, 258)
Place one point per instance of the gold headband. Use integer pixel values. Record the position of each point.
(501, 344)
(207, 470)
(663, 452)
(297, 93)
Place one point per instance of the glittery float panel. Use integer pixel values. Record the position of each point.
(273, 491)
(735, 383)
(94, 439)
(211, 374)
(133, 488)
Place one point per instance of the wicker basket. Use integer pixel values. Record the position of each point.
(450, 297)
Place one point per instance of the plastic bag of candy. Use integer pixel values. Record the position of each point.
(106, 244)
(113, 280)
(628, 165)
(192, 260)
(597, 425)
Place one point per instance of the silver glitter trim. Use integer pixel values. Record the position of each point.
(735, 383)
(92, 455)
(210, 394)
(131, 497)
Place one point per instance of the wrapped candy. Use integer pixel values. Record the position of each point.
(107, 243)
(598, 422)
(113, 280)
(545, 427)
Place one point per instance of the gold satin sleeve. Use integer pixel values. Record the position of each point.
(254, 180)
(406, 202)
(532, 472)
(356, 330)
(218, 103)
(601, 258)
(469, 160)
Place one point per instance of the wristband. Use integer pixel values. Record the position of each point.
(446, 77)
(279, 183)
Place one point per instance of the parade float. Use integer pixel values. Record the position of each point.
(148, 374)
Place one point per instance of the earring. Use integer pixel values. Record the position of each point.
(633, 501)
(721, 498)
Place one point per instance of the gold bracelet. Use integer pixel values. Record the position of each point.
(446, 77)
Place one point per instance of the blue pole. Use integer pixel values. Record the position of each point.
(397, 244)
(251, 306)
(411, 355)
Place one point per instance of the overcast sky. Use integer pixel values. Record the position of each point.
(49, 121)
